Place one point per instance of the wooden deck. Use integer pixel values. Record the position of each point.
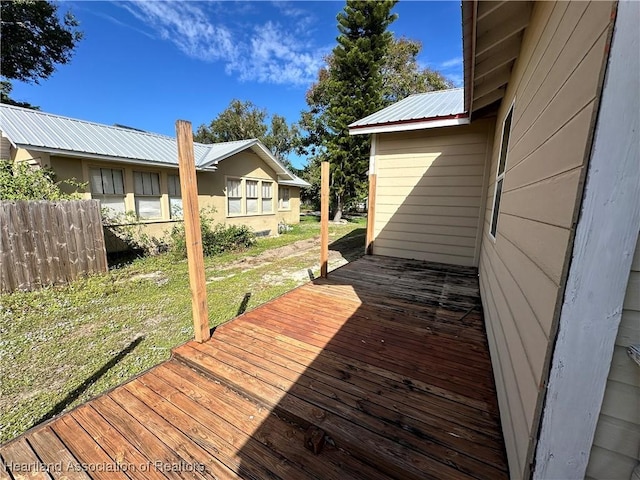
(387, 357)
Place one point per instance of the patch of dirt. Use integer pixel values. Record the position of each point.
(292, 250)
(158, 277)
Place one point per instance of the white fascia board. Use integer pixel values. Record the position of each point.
(404, 127)
(603, 249)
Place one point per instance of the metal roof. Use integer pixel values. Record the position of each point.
(296, 182)
(418, 108)
(42, 131)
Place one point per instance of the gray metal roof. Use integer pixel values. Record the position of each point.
(417, 107)
(296, 182)
(47, 132)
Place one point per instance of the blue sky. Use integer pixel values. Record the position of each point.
(146, 64)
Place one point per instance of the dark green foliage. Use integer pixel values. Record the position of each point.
(350, 88)
(216, 239)
(357, 81)
(33, 40)
(243, 121)
(402, 76)
(23, 182)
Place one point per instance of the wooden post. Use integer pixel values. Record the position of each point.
(371, 200)
(324, 220)
(371, 213)
(189, 187)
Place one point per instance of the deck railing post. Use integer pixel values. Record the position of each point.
(195, 258)
(324, 220)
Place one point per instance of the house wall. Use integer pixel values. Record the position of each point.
(5, 147)
(555, 85)
(211, 190)
(616, 446)
(430, 193)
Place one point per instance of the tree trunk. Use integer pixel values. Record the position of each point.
(338, 214)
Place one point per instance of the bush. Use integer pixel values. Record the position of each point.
(21, 181)
(128, 232)
(216, 239)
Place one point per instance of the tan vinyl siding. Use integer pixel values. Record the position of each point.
(555, 83)
(429, 193)
(616, 446)
(5, 147)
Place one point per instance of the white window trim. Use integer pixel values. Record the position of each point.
(243, 198)
(99, 196)
(500, 176)
(137, 195)
(176, 215)
(280, 208)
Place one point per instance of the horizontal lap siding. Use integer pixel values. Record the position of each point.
(616, 446)
(429, 196)
(555, 84)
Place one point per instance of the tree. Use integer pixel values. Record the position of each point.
(349, 88)
(244, 120)
(401, 76)
(33, 40)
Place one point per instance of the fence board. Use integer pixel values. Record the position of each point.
(49, 243)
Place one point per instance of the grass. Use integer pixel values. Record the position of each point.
(61, 346)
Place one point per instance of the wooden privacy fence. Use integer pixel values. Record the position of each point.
(49, 243)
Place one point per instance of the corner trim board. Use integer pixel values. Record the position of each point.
(605, 240)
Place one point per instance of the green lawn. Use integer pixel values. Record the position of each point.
(61, 346)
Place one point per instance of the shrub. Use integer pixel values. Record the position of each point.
(21, 181)
(216, 239)
(129, 232)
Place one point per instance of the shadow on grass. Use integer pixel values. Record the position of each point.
(243, 305)
(73, 395)
(350, 246)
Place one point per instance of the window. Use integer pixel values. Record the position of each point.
(267, 197)
(252, 197)
(283, 198)
(502, 163)
(249, 197)
(147, 194)
(107, 185)
(234, 196)
(175, 196)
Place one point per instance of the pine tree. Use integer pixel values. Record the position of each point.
(355, 91)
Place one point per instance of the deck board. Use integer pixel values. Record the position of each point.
(388, 356)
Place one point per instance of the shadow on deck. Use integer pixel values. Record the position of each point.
(384, 368)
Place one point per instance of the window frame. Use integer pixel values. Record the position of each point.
(501, 169)
(269, 184)
(257, 197)
(176, 195)
(244, 190)
(137, 195)
(101, 195)
(241, 197)
(281, 190)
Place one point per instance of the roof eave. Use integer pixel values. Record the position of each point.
(262, 151)
(452, 120)
(106, 158)
(469, 14)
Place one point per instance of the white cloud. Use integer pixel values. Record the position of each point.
(266, 53)
(451, 63)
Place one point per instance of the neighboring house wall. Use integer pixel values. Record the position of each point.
(616, 446)
(212, 190)
(5, 147)
(245, 166)
(555, 86)
(430, 193)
